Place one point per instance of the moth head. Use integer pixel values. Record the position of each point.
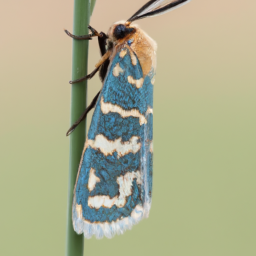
(121, 30)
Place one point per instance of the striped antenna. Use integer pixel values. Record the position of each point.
(156, 7)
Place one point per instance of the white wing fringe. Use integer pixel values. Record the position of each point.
(109, 229)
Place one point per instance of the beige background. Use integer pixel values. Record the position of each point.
(204, 128)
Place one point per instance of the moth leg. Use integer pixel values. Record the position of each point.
(94, 32)
(85, 37)
(102, 38)
(91, 75)
(102, 43)
(104, 58)
(83, 116)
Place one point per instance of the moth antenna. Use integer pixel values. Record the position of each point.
(156, 7)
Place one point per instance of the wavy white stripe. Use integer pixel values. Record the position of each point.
(109, 107)
(108, 147)
(137, 82)
(125, 190)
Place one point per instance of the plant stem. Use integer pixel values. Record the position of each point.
(82, 12)
(92, 5)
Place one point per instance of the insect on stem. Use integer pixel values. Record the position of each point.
(113, 188)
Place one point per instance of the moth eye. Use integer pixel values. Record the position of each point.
(122, 31)
(119, 31)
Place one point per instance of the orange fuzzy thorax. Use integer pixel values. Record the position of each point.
(142, 45)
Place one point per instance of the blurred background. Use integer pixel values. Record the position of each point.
(204, 128)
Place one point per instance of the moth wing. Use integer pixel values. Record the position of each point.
(114, 182)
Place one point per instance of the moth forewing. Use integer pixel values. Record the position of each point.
(113, 188)
(114, 184)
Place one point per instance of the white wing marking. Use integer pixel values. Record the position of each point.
(108, 147)
(125, 190)
(109, 107)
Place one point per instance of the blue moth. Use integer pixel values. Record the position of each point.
(113, 189)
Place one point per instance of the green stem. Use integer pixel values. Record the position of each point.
(92, 5)
(82, 12)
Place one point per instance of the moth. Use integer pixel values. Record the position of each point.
(113, 189)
